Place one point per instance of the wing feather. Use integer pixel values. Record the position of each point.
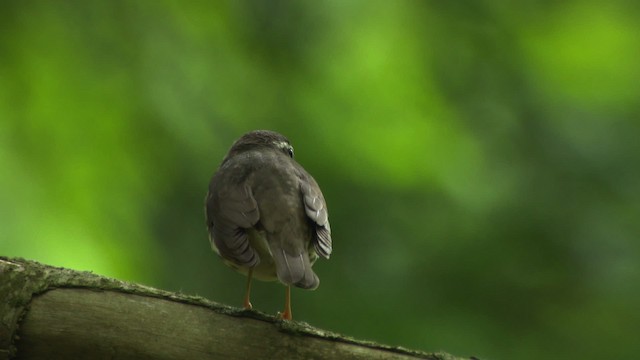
(316, 210)
(230, 211)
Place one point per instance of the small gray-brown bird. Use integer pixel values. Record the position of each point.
(266, 215)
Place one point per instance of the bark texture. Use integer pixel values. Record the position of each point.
(48, 312)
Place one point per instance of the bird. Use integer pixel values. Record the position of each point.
(266, 215)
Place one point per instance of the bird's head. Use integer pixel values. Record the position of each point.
(262, 138)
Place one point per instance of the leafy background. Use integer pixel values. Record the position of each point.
(480, 159)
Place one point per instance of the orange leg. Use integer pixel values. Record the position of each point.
(247, 302)
(286, 314)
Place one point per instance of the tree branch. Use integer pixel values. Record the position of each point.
(56, 313)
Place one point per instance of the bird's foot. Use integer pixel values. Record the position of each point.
(247, 305)
(285, 315)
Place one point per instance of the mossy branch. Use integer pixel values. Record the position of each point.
(56, 313)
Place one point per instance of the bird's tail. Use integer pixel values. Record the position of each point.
(293, 267)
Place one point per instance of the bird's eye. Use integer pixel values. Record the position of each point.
(290, 151)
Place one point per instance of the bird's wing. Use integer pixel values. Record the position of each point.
(316, 209)
(230, 210)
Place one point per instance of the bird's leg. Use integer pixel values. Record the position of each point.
(247, 302)
(286, 314)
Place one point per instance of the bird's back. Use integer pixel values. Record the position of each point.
(274, 182)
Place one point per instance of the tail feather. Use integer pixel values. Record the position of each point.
(294, 268)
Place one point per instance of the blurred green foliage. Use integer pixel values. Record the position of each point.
(481, 160)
